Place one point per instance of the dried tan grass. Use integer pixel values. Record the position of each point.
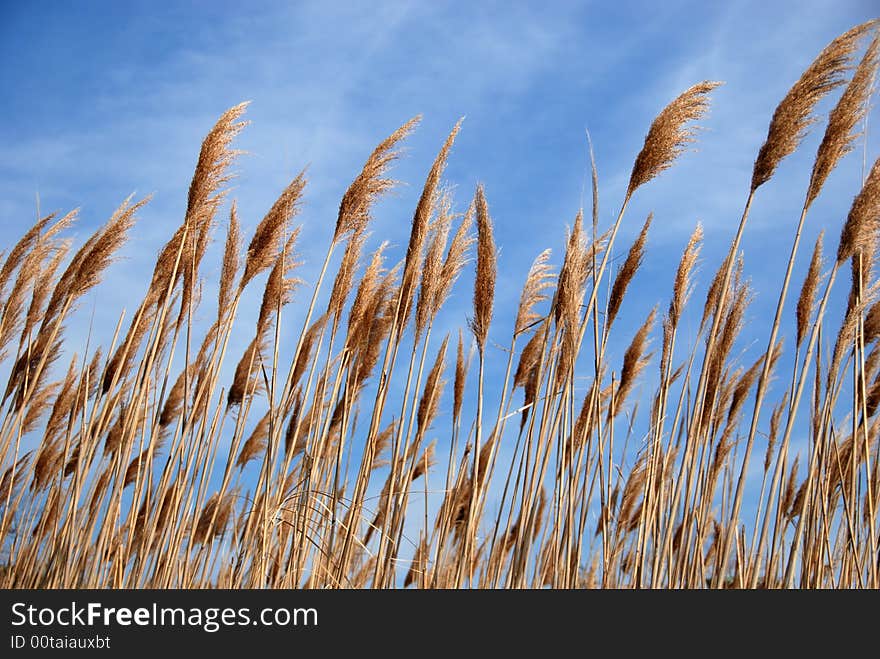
(807, 298)
(669, 134)
(484, 283)
(793, 115)
(841, 132)
(354, 209)
(137, 466)
(533, 293)
(626, 273)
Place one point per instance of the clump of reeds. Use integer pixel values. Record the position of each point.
(162, 460)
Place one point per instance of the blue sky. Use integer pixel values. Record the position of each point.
(109, 98)
(106, 99)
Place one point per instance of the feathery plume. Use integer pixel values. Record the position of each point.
(422, 216)
(279, 285)
(669, 135)
(32, 274)
(12, 308)
(376, 328)
(793, 115)
(527, 369)
(632, 490)
(713, 295)
(266, 241)
(381, 444)
(775, 420)
(634, 362)
(430, 400)
(241, 381)
(570, 291)
(22, 247)
(174, 401)
(425, 462)
(808, 291)
(626, 273)
(255, 443)
(841, 132)
(456, 258)
(82, 274)
(681, 289)
(344, 279)
(231, 263)
(64, 403)
(529, 356)
(538, 280)
(863, 218)
(39, 404)
(88, 264)
(366, 290)
(787, 502)
(211, 170)
(302, 359)
(572, 275)
(460, 378)
(426, 305)
(665, 350)
(41, 292)
(291, 432)
(189, 242)
(45, 465)
(13, 476)
(354, 209)
(484, 284)
(216, 510)
(742, 388)
(845, 337)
